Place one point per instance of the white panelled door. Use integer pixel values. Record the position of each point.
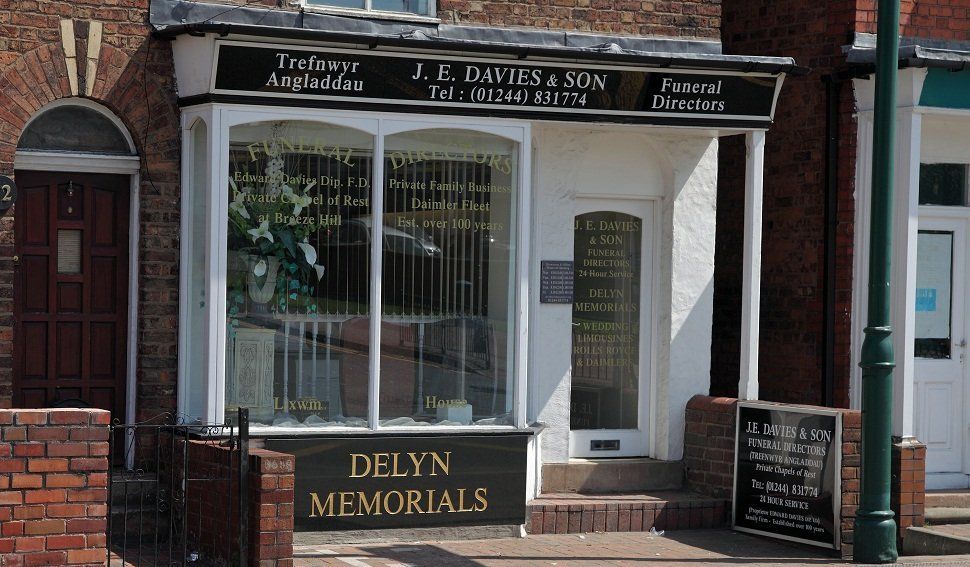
(941, 420)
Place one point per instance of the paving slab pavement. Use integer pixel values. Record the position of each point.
(694, 548)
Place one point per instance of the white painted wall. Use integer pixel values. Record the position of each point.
(676, 170)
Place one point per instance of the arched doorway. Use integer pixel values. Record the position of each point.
(74, 236)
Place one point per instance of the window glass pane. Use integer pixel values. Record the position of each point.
(606, 321)
(297, 282)
(68, 251)
(934, 262)
(337, 3)
(196, 331)
(89, 131)
(413, 6)
(448, 266)
(943, 184)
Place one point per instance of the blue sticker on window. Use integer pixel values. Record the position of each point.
(926, 299)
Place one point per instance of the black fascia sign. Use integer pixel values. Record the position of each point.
(787, 473)
(480, 86)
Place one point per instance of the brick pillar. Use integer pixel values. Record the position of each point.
(53, 487)
(851, 475)
(709, 445)
(908, 495)
(271, 495)
(270, 503)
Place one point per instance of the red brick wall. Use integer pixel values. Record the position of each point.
(33, 72)
(791, 362)
(270, 504)
(53, 487)
(709, 463)
(678, 18)
(671, 18)
(939, 19)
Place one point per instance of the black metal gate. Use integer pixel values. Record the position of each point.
(175, 493)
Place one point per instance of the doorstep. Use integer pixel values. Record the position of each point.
(950, 539)
(662, 510)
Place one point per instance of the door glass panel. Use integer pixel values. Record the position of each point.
(606, 321)
(68, 251)
(934, 273)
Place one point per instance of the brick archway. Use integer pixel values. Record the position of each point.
(145, 102)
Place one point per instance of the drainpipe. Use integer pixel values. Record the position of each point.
(833, 88)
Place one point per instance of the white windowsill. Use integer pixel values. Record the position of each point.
(269, 430)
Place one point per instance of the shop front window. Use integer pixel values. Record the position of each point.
(449, 251)
(297, 285)
(302, 231)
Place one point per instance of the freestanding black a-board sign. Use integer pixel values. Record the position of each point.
(787, 472)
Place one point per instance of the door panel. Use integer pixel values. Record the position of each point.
(611, 328)
(71, 291)
(33, 205)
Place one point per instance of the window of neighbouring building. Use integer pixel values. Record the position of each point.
(943, 184)
(417, 7)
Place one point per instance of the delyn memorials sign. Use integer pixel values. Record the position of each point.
(368, 482)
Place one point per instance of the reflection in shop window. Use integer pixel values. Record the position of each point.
(298, 272)
(448, 262)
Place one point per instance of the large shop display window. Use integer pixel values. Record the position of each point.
(313, 222)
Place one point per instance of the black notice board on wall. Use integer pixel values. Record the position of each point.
(358, 482)
(556, 281)
(787, 474)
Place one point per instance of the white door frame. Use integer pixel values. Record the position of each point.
(633, 442)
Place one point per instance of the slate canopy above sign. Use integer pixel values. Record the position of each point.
(472, 85)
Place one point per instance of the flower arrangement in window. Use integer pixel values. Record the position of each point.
(269, 241)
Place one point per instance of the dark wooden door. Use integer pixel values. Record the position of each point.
(71, 291)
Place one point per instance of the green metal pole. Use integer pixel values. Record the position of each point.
(874, 539)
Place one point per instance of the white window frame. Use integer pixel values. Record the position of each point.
(368, 10)
(219, 119)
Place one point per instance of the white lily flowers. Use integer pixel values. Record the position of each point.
(298, 201)
(309, 252)
(259, 270)
(262, 231)
(238, 205)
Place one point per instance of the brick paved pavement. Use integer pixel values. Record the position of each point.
(695, 548)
